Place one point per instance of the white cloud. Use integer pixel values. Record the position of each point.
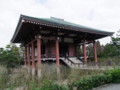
(101, 14)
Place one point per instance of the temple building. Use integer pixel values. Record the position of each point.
(54, 38)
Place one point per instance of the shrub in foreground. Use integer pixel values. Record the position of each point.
(115, 75)
(86, 83)
(49, 85)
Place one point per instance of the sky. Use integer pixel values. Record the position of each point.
(99, 14)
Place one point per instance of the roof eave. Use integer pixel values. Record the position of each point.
(42, 22)
(17, 29)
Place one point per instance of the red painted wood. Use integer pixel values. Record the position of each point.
(50, 50)
(95, 52)
(84, 51)
(47, 49)
(32, 41)
(57, 53)
(39, 50)
(71, 50)
(53, 50)
(33, 55)
(28, 55)
(25, 56)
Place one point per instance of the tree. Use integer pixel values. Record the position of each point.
(109, 51)
(116, 41)
(1, 50)
(98, 47)
(10, 56)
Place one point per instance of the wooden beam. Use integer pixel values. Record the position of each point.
(84, 51)
(95, 52)
(57, 52)
(39, 49)
(25, 56)
(33, 55)
(31, 42)
(28, 55)
(48, 38)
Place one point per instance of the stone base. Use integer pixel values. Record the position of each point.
(28, 70)
(58, 73)
(39, 73)
(33, 71)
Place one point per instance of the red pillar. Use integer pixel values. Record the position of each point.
(33, 55)
(28, 55)
(71, 50)
(57, 53)
(95, 52)
(39, 49)
(84, 51)
(25, 56)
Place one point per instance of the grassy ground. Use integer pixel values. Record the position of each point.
(19, 77)
(111, 59)
(106, 61)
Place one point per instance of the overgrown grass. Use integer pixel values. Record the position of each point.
(69, 78)
(109, 59)
(20, 78)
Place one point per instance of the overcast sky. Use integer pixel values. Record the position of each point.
(99, 14)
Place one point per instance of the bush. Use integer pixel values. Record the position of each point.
(10, 56)
(52, 87)
(112, 76)
(49, 85)
(115, 74)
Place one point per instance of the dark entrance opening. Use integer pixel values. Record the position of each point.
(43, 50)
(64, 51)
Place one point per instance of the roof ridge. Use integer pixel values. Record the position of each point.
(64, 22)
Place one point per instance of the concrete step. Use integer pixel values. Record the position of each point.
(72, 62)
(75, 60)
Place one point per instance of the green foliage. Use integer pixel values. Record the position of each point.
(112, 49)
(26, 82)
(48, 85)
(117, 36)
(116, 42)
(115, 39)
(115, 76)
(4, 78)
(10, 56)
(112, 76)
(51, 86)
(99, 48)
(109, 51)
